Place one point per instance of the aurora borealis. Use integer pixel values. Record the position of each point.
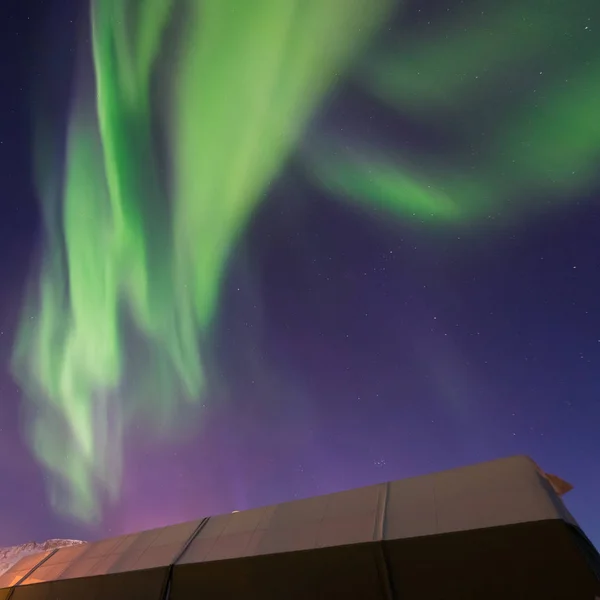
(126, 254)
(543, 141)
(188, 122)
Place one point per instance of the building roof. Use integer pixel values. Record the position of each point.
(492, 494)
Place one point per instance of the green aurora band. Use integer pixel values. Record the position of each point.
(247, 78)
(519, 145)
(119, 327)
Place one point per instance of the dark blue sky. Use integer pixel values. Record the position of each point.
(391, 352)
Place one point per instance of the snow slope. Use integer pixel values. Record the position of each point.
(9, 556)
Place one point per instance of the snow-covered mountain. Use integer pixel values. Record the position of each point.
(9, 556)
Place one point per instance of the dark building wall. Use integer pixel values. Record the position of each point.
(531, 561)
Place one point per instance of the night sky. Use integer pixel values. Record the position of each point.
(354, 351)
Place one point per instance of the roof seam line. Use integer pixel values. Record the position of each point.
(30, 572)
(191, 538)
